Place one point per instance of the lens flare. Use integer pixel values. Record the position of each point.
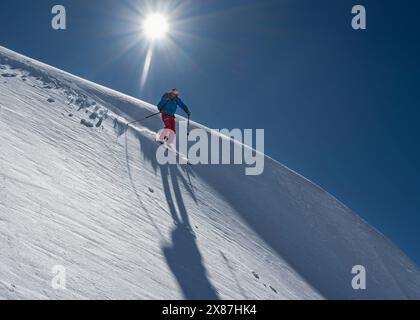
(146, 68)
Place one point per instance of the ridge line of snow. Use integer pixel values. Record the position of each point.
(142, 103)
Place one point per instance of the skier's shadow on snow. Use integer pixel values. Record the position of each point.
(183, 256)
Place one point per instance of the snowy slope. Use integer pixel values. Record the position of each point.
(88, 195)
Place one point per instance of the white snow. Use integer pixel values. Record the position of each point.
(94, 200)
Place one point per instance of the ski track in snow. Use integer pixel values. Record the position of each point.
(79, 189)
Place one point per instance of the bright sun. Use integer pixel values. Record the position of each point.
(155, 26)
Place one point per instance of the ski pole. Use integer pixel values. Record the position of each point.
(152, 115)
(188, 134)
(188, 126)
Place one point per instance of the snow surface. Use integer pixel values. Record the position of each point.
(78, 190)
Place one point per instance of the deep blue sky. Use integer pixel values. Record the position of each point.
(339, 106)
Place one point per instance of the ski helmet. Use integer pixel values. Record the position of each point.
(175, 92)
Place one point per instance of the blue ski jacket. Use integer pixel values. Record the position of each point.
(169, 105)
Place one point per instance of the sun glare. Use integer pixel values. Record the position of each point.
(155, 26)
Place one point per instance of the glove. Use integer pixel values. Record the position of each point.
(189, 113)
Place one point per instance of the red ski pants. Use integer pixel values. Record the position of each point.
(169, 122)
(170, 129)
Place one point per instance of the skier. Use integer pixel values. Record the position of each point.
(167, 106)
